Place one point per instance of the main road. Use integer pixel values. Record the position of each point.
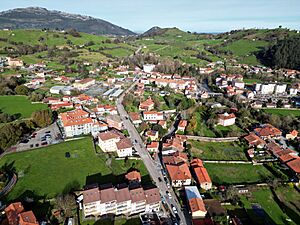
(154, 167)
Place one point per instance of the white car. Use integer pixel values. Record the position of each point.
(169, 195)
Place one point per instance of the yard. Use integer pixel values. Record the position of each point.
(237, 173)
(262, 208)
(117, 221)
(47, 171)
(283, 112)
(19, 104)
(218, 150)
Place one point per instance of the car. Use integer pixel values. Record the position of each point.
(177, 216)
(135, 141)
(48, 136)
(31, 146)
(174, 208)
(37, 145)
(169, 194)
(159, 179)
(48, 132)
(44, 143)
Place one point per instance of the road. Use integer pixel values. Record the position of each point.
(154, 167)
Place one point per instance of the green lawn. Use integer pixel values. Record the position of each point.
(265, 199)
(47, 172)
(227, 129)
(283, 112)
(237, 173)
(245, 47)
(251, 81)
(218, 150)
(19, 104)
(117, 221)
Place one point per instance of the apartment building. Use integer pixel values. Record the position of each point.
(84, 84)
(113, 142)
(201, 174)
(153, 115)
(78, 122)
(195, 202)
(16, 215)
(120, 200)
(179, 174)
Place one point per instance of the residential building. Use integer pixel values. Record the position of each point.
(135, 118)
(153, 147)
(78, 122)
(148, 68)
(147, 105)
(280, 88)
(153, 115)
(226, 119)
(255, 141)
(201, 174)
(179, 174)
(113, 142)
(12, 62)
(17, 216)
(119, 201)
(292, 135)
(182, 125)
(267, 131)
(152, 134)
(195, 202)
(114, 121)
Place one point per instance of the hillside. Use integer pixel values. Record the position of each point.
(40, 18)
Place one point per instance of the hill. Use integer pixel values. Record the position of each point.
(39, 18)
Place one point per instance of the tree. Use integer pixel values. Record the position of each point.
(67, 205)
(42, 118)
(22, 90)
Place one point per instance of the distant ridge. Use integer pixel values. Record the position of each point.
(39, 18)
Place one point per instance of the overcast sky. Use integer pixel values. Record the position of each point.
(192, 15)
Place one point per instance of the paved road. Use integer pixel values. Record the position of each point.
(154, 167)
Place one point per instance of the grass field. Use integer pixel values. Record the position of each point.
(218, 150)
(19, 104)
(237, 173)
(283, 112)
(273, 213)
(227, 129)
(251, 81)
(245, 47)
(117, 221)
(47, 172)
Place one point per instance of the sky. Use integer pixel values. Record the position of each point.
(188, 15)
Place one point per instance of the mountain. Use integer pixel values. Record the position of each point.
(157, 31)
(39, 18)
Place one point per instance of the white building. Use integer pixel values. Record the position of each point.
(153, 115)
(195, 202)
(120, 201)
(239, 84)
(148, 68)
(226, 119)
(267, 89)
(280, 88)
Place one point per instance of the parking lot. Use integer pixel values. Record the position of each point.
(46, 136)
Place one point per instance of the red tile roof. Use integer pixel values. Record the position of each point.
(179, 172)
(133, 176)
(197, 204)
(12, 212)
(267, 130)
(27, 218)
(294, 165)
(104, 136)
(152, 196)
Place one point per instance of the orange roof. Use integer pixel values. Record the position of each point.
(182, 123)
(196, 162)
(86, 80)
(267, 130)
(153, 144)
(294, 133)
(133, 175)
(152, 112)
(104, 136)
(253, 139)
(146, 104)
(202, 175)
(134, 116)
(124, 143)
(294, 165)
(226, 116)
(176, 158)
(197, 204)
(286, 158)
(12, 213)
(179, 172)
(27, 218)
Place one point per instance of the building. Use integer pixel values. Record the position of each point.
(255, 141)
(267, 131)
(152, 134)
(153, 115)
(226, 119)
(135, 118)
(119, 201)
(65, 90)
(114, 121)
(16, 215)
(148, 68)
(179, 174)
(12, 63)
(280, 88)
(134, 176)
(78, 122)
(182, 125)
(201, 174)
(153, 147)
(147, 105)
(195, 202)
(292, 135)
(84, 84)
(113, 142)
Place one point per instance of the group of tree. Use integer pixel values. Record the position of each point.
(284, 54)
(12, 86)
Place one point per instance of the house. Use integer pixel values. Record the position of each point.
(176, 158)
(135, 118)
(182, 125)
(195, 202)
(65, 90)
(84, 84)
(78, 122)
(173, 145)
(147, 105)
(226, 119)
(148, 68)
(255, 141)
(201, 174)
(163, 124)
(114, 121)
(153, 146)
(134, 176)
(179, 174)
(153, 115)
(12, 62)
(113, 142)
(292, 135)
(267, 131)
(119, 200)
(16, 215)
(152, 134)
(294, 165)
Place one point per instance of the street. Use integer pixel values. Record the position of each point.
(153, 167)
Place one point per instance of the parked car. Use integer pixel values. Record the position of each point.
(169, 194)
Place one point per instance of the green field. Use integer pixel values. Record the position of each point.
(283, 112)
(47, 172)
(19, 104)
(237, 173)
(218, 150)
(251, 81)
(117, 221)
(265, 199)
(245, 47)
